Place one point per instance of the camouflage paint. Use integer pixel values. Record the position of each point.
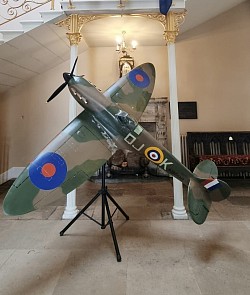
(109, 122)
(85, 144)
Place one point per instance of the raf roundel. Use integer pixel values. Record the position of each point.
(48, 171)
(154, 154)
(139, 78)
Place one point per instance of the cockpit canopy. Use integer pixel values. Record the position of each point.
(124, 119)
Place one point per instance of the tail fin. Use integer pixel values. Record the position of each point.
(204, 189)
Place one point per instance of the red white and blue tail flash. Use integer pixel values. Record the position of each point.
(204, 189)
(211, 184)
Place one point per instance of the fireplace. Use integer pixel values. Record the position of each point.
(154, 120)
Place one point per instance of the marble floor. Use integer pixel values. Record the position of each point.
(160, 255)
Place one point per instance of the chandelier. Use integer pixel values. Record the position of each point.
(121, 46)
(126, 62)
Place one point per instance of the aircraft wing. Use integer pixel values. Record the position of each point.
(67, 161)
(133, 91)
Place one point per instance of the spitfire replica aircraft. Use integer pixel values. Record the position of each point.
(109, 122)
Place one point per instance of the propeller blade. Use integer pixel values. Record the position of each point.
(58, 90)
(67, 78)
(72, 71)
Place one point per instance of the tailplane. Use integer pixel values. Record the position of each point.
(204, 189)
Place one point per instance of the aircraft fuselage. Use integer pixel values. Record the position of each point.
(124, 133)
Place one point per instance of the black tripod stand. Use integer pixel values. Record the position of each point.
(105, 205)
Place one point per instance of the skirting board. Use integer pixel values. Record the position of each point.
(12, 173)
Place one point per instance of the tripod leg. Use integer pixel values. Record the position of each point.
(103, 226)
(118, 255)
(80, 213)
(117, 206)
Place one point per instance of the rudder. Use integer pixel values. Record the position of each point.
(204, 189)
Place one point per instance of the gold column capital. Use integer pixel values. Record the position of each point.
(74, 23)
(170, 22)
(173, 22)
(74, 38)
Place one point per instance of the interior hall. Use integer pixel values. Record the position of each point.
(145, 105)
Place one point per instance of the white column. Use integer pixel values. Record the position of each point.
(71, 209)
(178, 211)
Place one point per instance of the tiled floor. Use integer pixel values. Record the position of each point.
(159, 255)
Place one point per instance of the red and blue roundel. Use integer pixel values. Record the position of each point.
(139, 78)
(48, 171)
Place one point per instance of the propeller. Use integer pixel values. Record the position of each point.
(67, 77)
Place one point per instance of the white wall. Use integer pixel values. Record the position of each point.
(28, 121)
(213, 68)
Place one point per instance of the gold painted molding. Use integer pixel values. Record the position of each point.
(170, 22)
(173, 22)
(74, 23)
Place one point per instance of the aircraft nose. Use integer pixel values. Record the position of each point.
(67, 77)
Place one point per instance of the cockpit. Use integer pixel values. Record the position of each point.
(125, 120)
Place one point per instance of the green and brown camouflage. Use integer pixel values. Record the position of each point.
(109, 122)
(82, 143)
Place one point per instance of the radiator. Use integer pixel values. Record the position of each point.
(184, 151)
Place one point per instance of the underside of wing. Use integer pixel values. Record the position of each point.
(133, 91)
(69, 160)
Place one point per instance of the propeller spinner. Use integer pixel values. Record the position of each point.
(67, 77)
